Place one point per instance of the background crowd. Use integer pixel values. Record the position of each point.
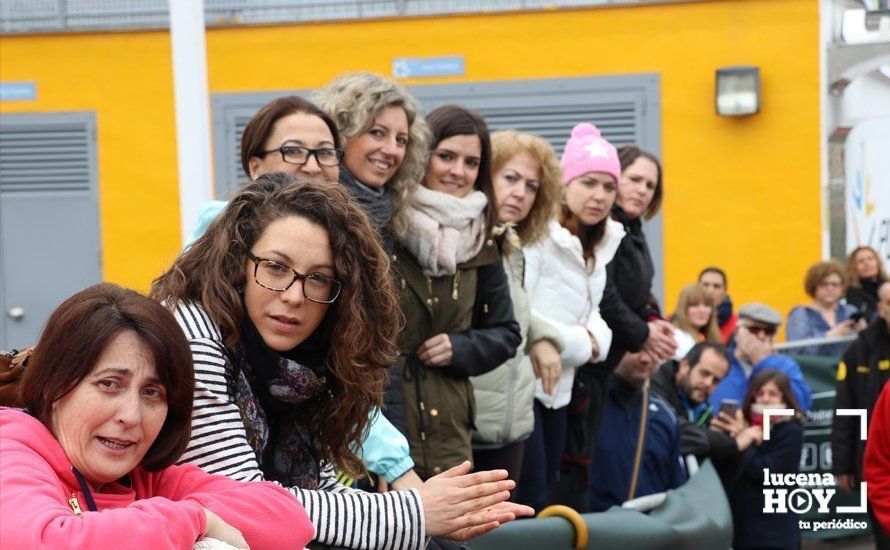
(458, 314)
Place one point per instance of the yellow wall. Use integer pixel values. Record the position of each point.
(741, 193)
(127, 79)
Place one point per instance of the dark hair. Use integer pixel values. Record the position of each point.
(784, 385)
(257, 131)
(627, 155)
(453, 120)
(718, 271)
(77, 333)
(359, 329)
(693, 356)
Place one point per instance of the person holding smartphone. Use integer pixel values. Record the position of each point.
(826, 315)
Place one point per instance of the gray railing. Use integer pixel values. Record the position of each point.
(38, 16)
(794, 344)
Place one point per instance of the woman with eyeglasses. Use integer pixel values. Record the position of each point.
(454, 291)
(291, 314)
(826, 315)
(293, 136)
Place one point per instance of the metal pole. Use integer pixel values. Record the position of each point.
(192, 110)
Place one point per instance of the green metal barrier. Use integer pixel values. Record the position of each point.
(693, 516)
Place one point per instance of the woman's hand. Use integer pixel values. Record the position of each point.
(547, 364)
(660, 345)
(220, 530)
(594, 348)
(458, 505)
(843, 328)
(437, 351)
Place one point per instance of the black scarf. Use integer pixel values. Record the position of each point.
(282, 385)
(377, 203)
(724, 311)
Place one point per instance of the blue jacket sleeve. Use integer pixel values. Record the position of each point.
(385, 452)
(210, 210)
(789, 366)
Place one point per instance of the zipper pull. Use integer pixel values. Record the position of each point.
(75, 505)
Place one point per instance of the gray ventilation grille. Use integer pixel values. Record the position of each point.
(42, 158)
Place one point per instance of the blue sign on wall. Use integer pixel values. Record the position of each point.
(17, 91)
(420, 67)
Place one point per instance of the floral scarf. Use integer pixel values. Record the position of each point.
(271, 391)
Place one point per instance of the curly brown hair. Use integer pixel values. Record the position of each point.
(360, 327)
(820, 271)
(505, 145)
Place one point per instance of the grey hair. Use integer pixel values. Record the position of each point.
(355, 100)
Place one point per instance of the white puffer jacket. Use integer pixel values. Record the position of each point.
(561, 291)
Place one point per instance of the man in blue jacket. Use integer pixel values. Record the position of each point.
(660, 466)
(751, 352)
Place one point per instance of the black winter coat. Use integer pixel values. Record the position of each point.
(861, 375)
(627, 303)
(696, 437)
(751, 527)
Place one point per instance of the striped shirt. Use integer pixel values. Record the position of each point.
(342, 516)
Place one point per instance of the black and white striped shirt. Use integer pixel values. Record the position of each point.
(342, 516)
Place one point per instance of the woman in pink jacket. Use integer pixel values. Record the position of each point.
(89, 462)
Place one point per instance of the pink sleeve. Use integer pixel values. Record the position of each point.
(267, 515)
(35, 513)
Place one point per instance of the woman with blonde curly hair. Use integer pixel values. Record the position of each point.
(385, 143)
(695, 319)
(291, 315)
(525, 174)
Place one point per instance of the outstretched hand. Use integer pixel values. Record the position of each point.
(458, 505)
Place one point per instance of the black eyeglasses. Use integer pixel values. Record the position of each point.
(296, 154)
(279, 277)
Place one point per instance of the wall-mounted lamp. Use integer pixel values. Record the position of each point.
(738, 91)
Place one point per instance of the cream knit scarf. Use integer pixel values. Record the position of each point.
(443, 230)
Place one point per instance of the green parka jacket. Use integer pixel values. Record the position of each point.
(473, 307)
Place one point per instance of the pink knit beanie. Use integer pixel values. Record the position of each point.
(586, 151)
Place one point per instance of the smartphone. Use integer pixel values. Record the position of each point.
(729, 406)
(857, 316)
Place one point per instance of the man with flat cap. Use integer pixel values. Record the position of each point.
(751, 352)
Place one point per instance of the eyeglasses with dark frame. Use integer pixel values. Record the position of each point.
(297, 154)
(278, 277)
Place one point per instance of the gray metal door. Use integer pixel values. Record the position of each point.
(49, 218)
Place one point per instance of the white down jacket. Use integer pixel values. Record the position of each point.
(562, 292)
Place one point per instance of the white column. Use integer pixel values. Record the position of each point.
(192, 110)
